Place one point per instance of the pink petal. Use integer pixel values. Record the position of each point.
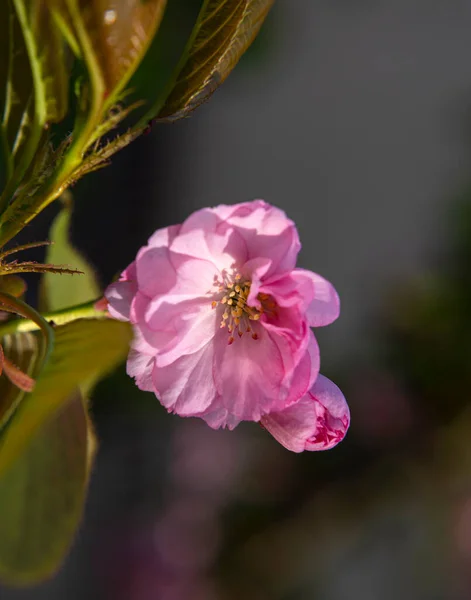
(186, 386)
(218, 417)
(207, 236)
(192, 325)
(318, 421)
(140, 366)
(164, 274)
(249, 375)
(177, 317)
(255, 270)
(162, 238)
(322, 301)
(121, 293)
(267, 231)
(242, 394)
(155, 273)
(291, 336)
(150, 342)
(306, 373)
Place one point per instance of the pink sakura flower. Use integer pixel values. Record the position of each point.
(222, 322)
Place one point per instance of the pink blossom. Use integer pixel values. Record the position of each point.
(318, 421)
(222, 321)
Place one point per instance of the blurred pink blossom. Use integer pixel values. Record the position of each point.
(187, 536)
(207, 465)
(222, 322)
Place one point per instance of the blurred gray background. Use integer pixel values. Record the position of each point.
(356, 123)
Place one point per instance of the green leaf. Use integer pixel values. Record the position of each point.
(84, 351)
(223, 32)
(119, 31)
(36, 87)
(59, 291)
(42, 495)
(16, 94)
(5, 71)
(46, 49)
(47, 444)
(111, 36)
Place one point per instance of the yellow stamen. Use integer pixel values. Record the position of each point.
(238, 314)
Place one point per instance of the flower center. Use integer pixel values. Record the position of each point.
(238, 316)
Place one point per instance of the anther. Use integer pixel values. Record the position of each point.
(254, 336)
(230, 341)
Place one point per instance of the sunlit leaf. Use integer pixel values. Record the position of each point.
(59, 291)
(84, 351)
(42, 495)
(47, 445)
(46, 51)
(121, 31)
(36, 86)
(224, 30)
(111, 34)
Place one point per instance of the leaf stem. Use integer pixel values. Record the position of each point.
(60, 317)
